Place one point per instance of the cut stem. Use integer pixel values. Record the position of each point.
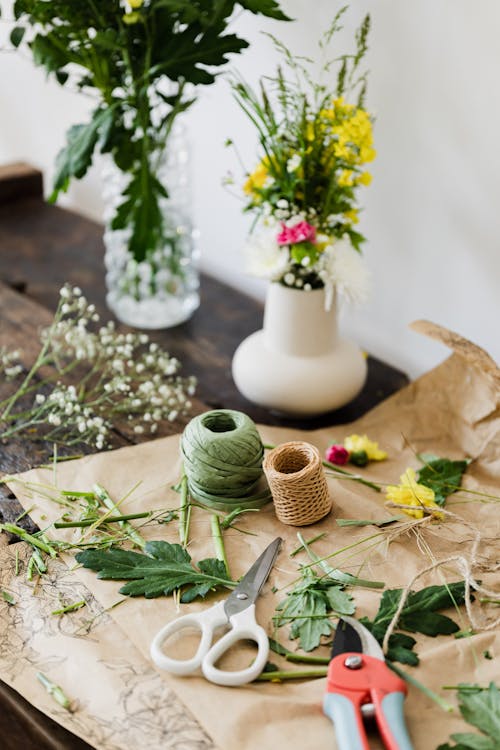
(302, 674)
(184, 512)
(220, 550)
(127, 527)
(444, 705)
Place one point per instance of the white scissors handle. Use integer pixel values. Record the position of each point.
(207, 622)
(243, 627)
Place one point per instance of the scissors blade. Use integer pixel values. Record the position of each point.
(249, 588)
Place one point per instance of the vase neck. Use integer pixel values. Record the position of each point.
(297, 323)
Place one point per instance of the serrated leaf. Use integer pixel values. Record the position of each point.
(443, 476)
(340, 601)
(418, 615)
(481, 708)
(159, 571)
(76, 157)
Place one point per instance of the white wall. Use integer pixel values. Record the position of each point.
(432, 213)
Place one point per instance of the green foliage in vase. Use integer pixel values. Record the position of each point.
(143, 59)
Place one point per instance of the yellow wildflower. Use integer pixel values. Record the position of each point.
(346, 178)
(351, 216)
(359, 443)
(409, 492)
(257, 179)
(364, 178)
(135, 3)
(131, 18)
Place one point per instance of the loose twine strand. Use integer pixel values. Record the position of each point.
(222, 453)
(464, 567)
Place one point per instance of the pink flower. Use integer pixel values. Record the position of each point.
(300, 232)
(337, 454)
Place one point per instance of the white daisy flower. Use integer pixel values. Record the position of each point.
(264, 258)
(343, 269)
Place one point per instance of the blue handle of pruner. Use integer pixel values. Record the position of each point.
(347, 722)
(393, 719)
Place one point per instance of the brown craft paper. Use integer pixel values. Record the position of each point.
(452, 411)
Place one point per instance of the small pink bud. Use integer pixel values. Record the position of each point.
(337, 454)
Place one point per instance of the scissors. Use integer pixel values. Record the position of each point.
(237, 612)
(361, 685)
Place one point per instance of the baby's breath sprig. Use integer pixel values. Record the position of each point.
(118, 377)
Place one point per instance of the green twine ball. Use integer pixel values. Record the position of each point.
(223, 453)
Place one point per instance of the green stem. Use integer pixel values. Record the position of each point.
(220, 549)
(22, 534)
(55, 691)
(184, 512)
(69, 608)
(303, 674)
(309, 541)
(423, 688)
(305, 659)
(106, 519)
(131, 532)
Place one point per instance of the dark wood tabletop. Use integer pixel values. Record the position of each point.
(41, 248)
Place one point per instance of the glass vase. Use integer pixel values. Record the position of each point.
(160, 291)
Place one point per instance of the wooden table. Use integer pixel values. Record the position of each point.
(41, 248)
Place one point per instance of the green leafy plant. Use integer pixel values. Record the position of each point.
(419, 615)
(163, 568)
(481, 708)
(141, 59)
(308, 606)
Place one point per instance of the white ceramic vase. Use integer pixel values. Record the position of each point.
(298, 364)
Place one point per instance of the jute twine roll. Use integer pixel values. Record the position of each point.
(295, 475)
(222, 453)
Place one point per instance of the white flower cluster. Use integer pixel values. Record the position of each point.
(120, 378)
(10, 366)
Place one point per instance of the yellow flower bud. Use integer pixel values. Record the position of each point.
(131, 18)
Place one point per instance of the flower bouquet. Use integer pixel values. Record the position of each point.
(316, 141)
(140, 60)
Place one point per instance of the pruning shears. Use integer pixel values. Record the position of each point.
(360, 685)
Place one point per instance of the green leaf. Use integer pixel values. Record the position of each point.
(307, 608)
(418, 616)
(481, 708)
(48, 53)
(367, 522)
(16, 35)
(340, 601)
(443, 476)
(266, 7)
(76, 157)
(474, 741)
(428, 623)
(163, 568)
